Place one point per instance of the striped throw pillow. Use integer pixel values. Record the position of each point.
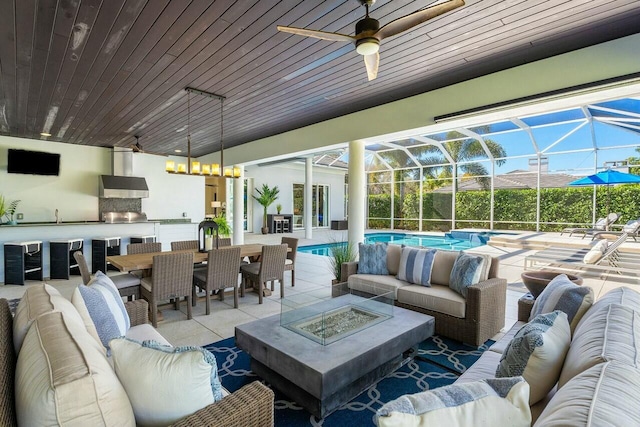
(105, 306)
(489, 402)
(373, 259)
(564, 295)
(537, 353)
(468, 270)
(416, 265)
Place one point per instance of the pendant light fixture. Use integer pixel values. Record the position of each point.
(195, 168)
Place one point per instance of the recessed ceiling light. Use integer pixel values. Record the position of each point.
(178, 151)
(45, 134)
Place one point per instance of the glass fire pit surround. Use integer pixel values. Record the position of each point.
(317, 316)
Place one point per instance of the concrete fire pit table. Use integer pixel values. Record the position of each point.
(319, 377)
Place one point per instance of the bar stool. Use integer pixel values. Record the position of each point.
(22, 261)
(278, 224)
(61, 255)
(101, 248)
(143, 239)
(286, 226)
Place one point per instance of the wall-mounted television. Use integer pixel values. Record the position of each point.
(33, 162)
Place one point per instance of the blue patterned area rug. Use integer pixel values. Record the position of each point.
(439, 363)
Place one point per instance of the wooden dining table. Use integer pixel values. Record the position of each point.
(132, 262)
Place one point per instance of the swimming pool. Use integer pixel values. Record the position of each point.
(455, 240)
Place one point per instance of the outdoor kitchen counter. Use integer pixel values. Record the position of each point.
(165, 232)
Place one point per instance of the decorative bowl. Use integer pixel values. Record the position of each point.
(536, 281)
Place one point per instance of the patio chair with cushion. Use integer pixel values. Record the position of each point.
(184, 245)
(171, 279)
(221, 273)
(631, 228)
(128, 284)
(602, 224)
(270, 268)
(290, 262)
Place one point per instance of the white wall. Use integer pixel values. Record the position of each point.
(75, 191)
(284, 176)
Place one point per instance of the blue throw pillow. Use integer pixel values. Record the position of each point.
(373, 259)
(468, 270)
(416, 265)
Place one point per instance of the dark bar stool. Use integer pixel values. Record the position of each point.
(61, 255)
(143, 239)
(22, 261)
(101, 248)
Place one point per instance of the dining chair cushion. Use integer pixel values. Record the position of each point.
(288, 262)
(252, 268)
(146, 283)
(102, 301)
(165, 383)
(126, 280)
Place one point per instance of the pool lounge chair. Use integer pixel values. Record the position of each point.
(602, 224)
(613, 261)
(632, 228)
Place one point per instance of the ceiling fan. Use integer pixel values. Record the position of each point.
(369, 34)
(137, 148)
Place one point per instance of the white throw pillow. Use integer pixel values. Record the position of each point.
(596, 252)
(102, 301)
(163, 383)
(537, 352)
(491, 402)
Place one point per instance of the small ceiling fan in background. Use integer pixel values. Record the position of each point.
(137, 148)
(369, 34)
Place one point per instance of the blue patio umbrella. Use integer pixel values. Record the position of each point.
(608, 177)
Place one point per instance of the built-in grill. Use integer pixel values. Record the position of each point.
(123, 217)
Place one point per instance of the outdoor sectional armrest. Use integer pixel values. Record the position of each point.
(486, 304)
(138, 311)
(347, 269)
(252, 405)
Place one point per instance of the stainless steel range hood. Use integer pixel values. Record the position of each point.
(122, 184)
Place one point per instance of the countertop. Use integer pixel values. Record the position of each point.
(47, 224)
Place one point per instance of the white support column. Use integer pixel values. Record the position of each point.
(493, 190)
(357, 193)
(454, 187)
(538, 194)
(308, 195)
(420, 199)
(238, 208)
(392, 198)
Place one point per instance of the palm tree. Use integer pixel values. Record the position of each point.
(266, 196)
(461, 149)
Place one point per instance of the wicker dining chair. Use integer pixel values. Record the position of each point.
(128, 284)
(185, 244)
(221, 273)
(171, 279)
(269, 269)
(224, 242)
(144, 248)
(290, 262)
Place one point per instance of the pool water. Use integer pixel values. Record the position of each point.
(456, 240)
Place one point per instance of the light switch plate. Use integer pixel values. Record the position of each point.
(20, 216)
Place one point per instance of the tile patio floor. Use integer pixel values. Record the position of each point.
(312, 273)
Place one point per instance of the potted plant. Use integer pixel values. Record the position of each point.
(340, 252)
(266, 196)
(278, 208)
(224, 229)
(8, 210)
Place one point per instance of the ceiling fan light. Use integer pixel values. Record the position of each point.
(367, 46)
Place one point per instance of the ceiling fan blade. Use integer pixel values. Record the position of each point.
(334, 37)
(372, 62)
(399, 25)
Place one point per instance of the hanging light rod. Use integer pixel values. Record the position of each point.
(195, 168)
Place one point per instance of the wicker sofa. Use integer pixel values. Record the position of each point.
(251, 405)
(472, 320)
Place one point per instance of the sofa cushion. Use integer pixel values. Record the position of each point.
(613, 333)
(537, 353)
(437, 298)
(416, 265)
(622, 296)
(468, 270)
(501, 345)
(373, 259)
(602, 396)
(146, 332)
(165, 383)
(485, 367)
(375, 284)
(564, 295)
(112, 300)
(64, 378)
(37, 300)
(393, 258)
(490, 402)
(442, 266)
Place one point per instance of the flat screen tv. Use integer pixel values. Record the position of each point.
(33, 162)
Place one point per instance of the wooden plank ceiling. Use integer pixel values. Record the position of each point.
(98, 72)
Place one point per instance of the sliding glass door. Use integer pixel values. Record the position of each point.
(319, 206)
